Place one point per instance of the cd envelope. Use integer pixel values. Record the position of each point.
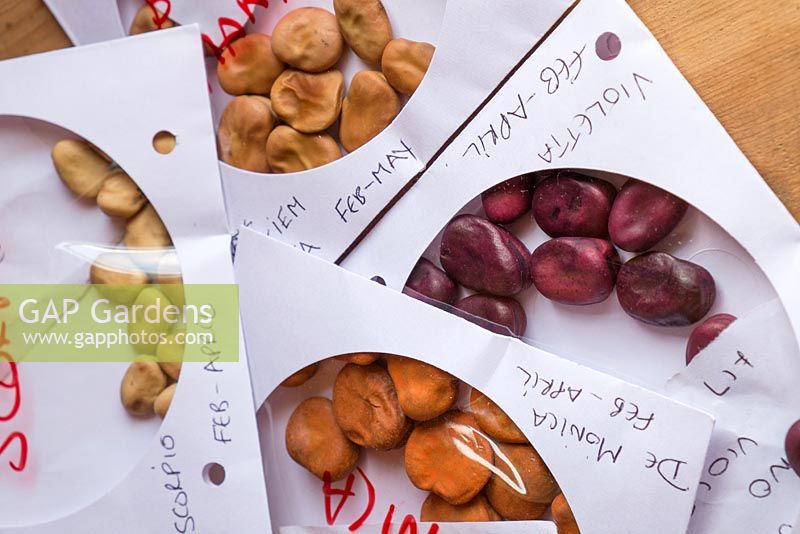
(113, 180)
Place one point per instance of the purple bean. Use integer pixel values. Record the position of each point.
(705, 333)
(429, 280)
(485, 257)
(575, 270)
(643, 215)
(793, 446)
(508, 201)
(573, 205)
(662, 290)
(503, 314)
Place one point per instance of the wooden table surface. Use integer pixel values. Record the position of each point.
(742, 57)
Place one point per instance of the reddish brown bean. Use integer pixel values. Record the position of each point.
(503, 314)
(570, 204)
(527, 497)
(563, 516)
(449, 457)
(436, 509)
(643, 215)
(429, 280)
(301, 377)
(315, 441)
(493, 420)
(367, 409)
(424, 391)
(575, 270)
(705, 333)
(485, 257)
(508, 201)
(662, 290)
(360, 358)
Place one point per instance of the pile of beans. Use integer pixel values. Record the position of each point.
(289, 94)
(587, 220)
(384, 402)
(148, 386)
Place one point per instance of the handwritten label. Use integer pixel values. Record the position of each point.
(586, 121)
(721, 385)
(248, 223)
(407, 526)
(161, 11)
(553, 78)
(229, 28)
(182, 520)
(746, 379)
(552, 393)
(219, 406)
(15, 443)
(352, 203)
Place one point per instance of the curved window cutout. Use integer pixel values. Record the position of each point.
(601, 334)
(71, 215)
(394, 424)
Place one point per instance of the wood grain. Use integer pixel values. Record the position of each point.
(27, 27)
(742, 57)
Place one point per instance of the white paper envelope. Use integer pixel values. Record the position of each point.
(630, 116)
(89, 464)
(747, 378)
(338, 202)
(596, 452)
(324, 210)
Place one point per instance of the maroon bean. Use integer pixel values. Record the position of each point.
(705, 333)
(485, 257)
(503, 314)
(793, 446)
(643, 215)
(508, 201)
(659, 289)
(429, 280)
(575, 270)
(573, 205)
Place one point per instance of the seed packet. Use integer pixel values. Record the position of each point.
(340, 173)
(599, 126)
(115, 182)
(383, 414)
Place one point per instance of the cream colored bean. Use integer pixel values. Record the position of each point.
(80, 167)
(141, 385)
(120, 196)
(117, 270)
(168, 275)
(249, 66)
(308, 39)
(291, 151)
(146, 230)
(365, 26)
(164, 400)
(405, 63)
(170, 355)
(146, 328)
(370, 106)
(309, 103)
(243, 130)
